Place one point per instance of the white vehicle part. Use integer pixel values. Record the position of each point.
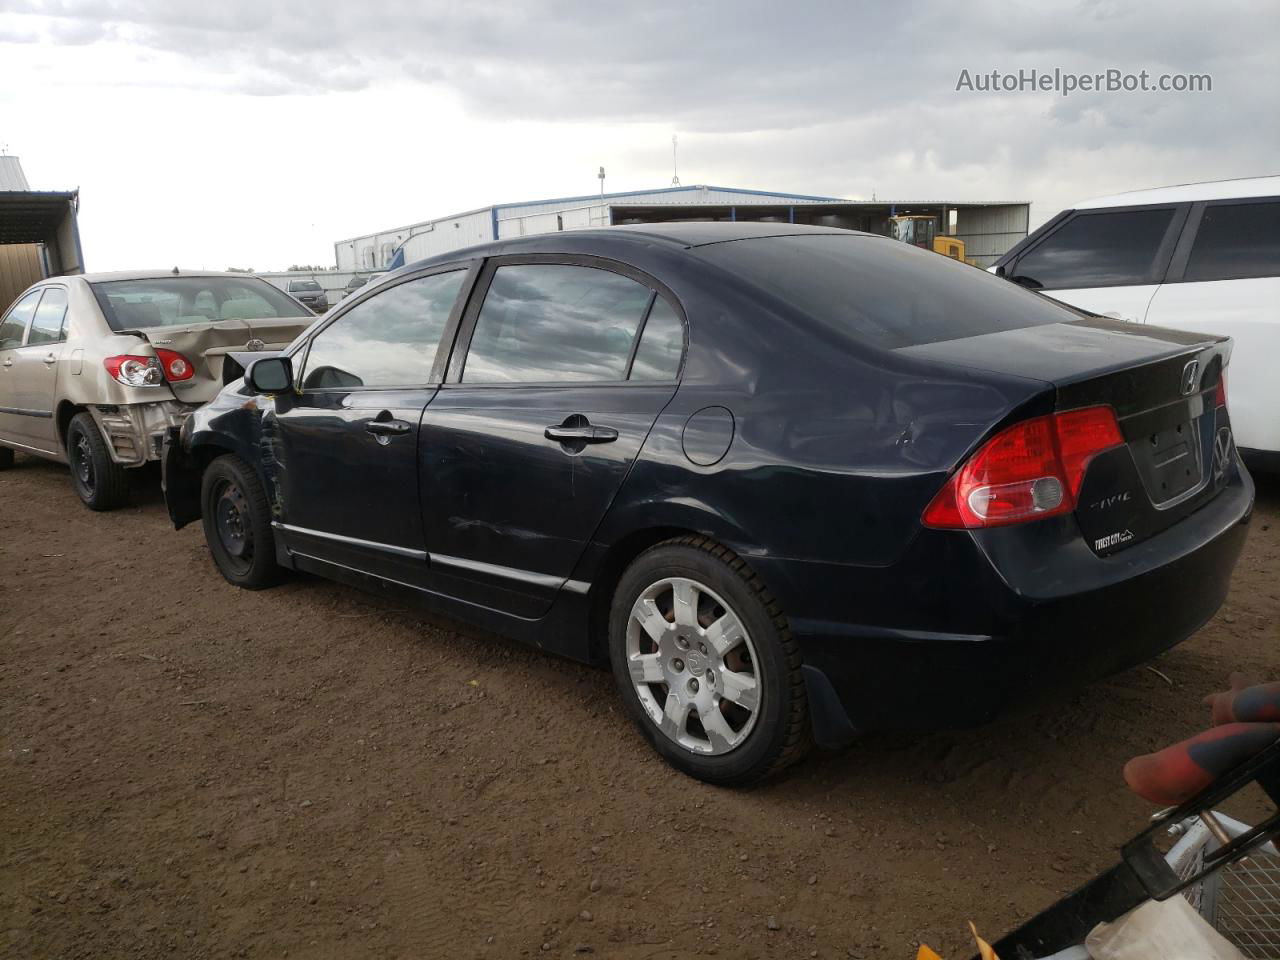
(1248, 311)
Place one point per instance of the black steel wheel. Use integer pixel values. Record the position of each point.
(100, 482)
(237, 524)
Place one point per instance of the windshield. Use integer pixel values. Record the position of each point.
(308, 285)
(177, 301)
(882, 292)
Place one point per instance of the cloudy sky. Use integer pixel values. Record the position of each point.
(211, 133)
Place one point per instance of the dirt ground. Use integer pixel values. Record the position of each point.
(196, 771)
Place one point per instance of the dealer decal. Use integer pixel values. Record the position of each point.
(1113, 539)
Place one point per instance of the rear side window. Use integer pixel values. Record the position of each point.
(661, 345)
(882, 292)
(1098, 250)
(15, 323)
(46, 326)
(548, 322)
(389, 340)
(1236, 240)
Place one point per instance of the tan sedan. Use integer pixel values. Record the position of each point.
(95, 368)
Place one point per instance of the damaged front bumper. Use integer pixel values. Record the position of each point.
(179, 476)
(135, 431)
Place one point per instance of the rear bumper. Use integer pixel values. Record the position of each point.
(1149, 599)
(135, 431)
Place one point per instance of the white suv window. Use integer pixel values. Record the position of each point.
(1236, 240)
(1104, 249)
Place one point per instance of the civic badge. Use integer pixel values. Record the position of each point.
(255, 344)
(1190, 378)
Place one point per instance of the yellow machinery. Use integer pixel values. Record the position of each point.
(923, 232)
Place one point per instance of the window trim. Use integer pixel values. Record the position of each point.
(462, 346)
(1164, 250)
(469, 268)
(62, 329)
(1182, 254)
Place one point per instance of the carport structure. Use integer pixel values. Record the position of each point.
(988, 228)
(39, 232)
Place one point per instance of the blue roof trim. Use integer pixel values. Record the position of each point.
(642, 193)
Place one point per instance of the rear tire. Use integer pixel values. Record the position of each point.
(237, 524)
(6, 458)
(100, 482)
(706, 665)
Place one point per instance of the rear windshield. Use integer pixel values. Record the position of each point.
(177, 301)
(882, 292)
(296, 285)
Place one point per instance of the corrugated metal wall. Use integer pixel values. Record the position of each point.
(421, 240)
(21, 265)
(988, 232)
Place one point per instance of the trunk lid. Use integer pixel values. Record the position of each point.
(206, 346)
(1162, 385)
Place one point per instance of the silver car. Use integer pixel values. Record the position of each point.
(94, 368)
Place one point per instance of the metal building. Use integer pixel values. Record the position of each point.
(39, 234)
(988, 228)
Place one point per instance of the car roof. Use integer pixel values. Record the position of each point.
(163, 275)
(619, 240)
(1190, 192)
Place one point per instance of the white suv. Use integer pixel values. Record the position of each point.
(1203, 256)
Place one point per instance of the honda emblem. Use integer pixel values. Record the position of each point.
(1190, 378)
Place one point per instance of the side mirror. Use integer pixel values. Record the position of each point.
(270, 375)
(1000, 271)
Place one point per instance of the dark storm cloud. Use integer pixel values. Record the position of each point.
(862, 91)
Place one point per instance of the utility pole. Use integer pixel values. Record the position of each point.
(675, 166)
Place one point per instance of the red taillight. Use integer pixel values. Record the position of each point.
(1031, 470)
(134, 371)
(176, 366)
(1220, 395)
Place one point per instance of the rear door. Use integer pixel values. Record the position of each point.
(13, 329)
(563, 365)
(35, 369)
(343, 450)
(1108, 261)
(1225, 280)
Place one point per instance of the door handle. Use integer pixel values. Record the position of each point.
(8, 362)
(387, 428)
(582, 434)
(51, 359)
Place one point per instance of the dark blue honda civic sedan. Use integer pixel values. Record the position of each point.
(791, 483)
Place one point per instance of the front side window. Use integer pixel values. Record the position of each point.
(389, 340)
(46, 326)
(176, 301)
(555, 323)
(1098, 250)
(15, 323)
(1236, 240)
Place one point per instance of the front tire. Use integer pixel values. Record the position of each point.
(706, 665)
(100, 482)
(237, 524)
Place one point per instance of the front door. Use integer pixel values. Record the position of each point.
(560, 372)
(345, 444)
(14, 427)
(35, 370)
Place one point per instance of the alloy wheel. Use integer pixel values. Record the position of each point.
(693, 666)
